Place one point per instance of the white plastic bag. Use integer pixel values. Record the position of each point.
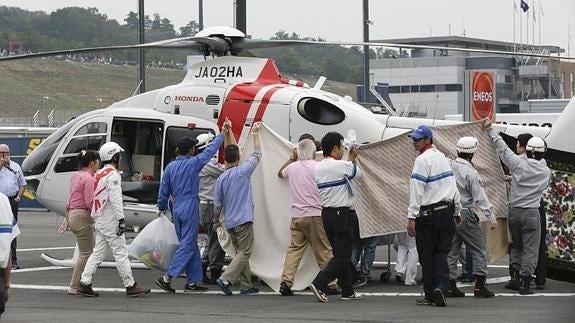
(156, 244)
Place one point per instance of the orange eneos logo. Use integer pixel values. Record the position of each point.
(482, 96)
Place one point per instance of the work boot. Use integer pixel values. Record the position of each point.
(525, 288)
(513, 283)
(87, 291)
(135, 290)
(480, 289)
(453, 291)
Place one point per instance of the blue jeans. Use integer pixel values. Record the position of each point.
(364, 248)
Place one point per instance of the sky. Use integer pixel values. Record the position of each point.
(341, 20)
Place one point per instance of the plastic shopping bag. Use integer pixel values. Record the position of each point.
(156, 244)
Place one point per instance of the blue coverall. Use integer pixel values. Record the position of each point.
(181, 182)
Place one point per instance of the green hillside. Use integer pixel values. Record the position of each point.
(75, 87)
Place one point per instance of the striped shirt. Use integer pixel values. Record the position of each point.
(334, 180)
(432, 181)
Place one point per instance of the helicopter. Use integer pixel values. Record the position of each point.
(245, 90)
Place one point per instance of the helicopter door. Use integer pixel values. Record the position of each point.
(87, 135)
(140, 163)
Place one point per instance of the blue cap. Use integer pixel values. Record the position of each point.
(421, 132)
(185, 144)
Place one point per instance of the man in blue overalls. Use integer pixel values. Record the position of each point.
(181, 182)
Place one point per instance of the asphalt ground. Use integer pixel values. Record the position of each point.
(38, 294)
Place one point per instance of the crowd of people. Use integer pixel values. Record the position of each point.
(445, 199)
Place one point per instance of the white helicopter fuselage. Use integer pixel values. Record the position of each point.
(244, 90)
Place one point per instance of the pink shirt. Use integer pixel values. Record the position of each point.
(81, 190)
(304, 192)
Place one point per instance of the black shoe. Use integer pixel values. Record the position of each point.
(87, 291)
(166, 287)
(453, 291)
(540, 286)
(15, 266)
(195, 287)
(249, 291)
(464, 278)
(483, 292)
(423, 301)
(225, 287)
(399, 278)
(513, 283)
(439, 298)
(285, 290)
(360, 282)
(480, 289)
(525, 288)
(333, 291)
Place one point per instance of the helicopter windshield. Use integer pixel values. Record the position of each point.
(38, 160)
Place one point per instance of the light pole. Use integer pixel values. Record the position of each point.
(45, 99)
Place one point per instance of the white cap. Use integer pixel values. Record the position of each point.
(204, 139)
(467, 145)
(535, 144)
(108, 150)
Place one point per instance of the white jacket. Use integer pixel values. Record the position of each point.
(8, 230)
(106, 221)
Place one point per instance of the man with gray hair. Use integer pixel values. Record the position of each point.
(12, 184)
(306, 224)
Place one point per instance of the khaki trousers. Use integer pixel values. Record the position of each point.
(82, 225)
(239, 268)
(304, 231)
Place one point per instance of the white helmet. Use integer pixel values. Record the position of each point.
(204, 139)
(108, 150)
(535, 144)
(467, 145)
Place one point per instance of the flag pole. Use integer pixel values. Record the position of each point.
(539, 22)
(533, 24)
(514, 14)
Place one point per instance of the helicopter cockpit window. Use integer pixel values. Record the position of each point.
(92, 128)
(38, 160)
(319, 111)
(90, 136)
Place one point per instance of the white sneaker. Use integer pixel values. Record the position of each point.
(352, 297)
(318, 294)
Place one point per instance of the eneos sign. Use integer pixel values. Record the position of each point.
(482, 96)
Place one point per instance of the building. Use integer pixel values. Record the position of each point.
(433, 83)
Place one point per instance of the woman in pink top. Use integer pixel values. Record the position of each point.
(78, 211)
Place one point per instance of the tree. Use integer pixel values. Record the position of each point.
(190, 29)
(167, 27)
(132, 20)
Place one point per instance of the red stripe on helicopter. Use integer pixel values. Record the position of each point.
(237, 104)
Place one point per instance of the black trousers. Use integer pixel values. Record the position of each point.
(339, 229)
(541, 269)
(433, 237)
(14, 245)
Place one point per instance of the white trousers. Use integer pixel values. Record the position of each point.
(120, 253)
(406, 258)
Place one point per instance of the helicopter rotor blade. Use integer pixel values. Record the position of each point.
(247, 44)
